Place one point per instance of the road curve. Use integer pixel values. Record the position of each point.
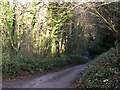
(60, 79)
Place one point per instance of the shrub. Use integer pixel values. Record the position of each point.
(9, 66)
(25, 61)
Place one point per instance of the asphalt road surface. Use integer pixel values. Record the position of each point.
(60, 79)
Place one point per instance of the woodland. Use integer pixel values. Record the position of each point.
(36, 37)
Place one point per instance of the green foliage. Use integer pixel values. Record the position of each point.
(57, 15)
(29, 42)
(103, 71)
(23, 28)
(24, 61)
(9, 66)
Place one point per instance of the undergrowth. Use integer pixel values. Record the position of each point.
(31, 63)
(103, 71)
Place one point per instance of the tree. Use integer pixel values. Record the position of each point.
(57, 15)
(107, 25)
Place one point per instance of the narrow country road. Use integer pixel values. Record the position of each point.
(60, 79)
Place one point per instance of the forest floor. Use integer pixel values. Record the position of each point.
(56, 79)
